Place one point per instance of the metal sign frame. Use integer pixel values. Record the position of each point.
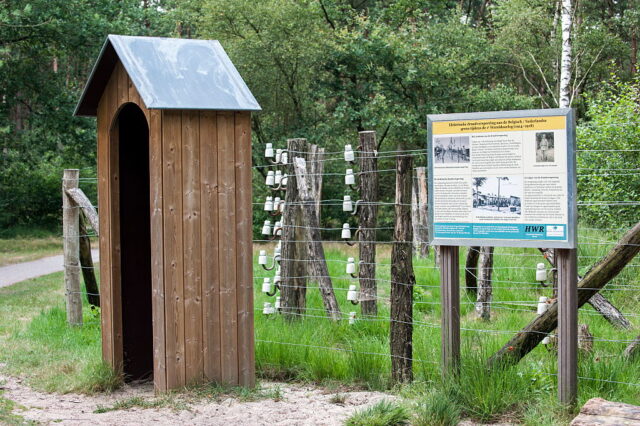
(572, 210)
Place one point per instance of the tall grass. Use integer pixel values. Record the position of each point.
(36, 343)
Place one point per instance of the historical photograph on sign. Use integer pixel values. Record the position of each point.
(451, 150)
(544, 147)
(497, 196)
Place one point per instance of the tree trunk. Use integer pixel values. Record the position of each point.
(594, 280)
(294, 267)
(483, 301)
(419, 213)
(471, 270)
(86, 263)
(565, 62)
(367, 215)
(402, 277)
(317, 261)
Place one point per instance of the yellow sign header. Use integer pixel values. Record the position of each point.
(499, 125)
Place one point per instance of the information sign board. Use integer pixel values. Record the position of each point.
(505, 179)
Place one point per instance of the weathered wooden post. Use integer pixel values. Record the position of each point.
(293, 268)
(317, 263)
(483, 299)
(71, 232)
(471, 270)
(420, 213)
(86, 261)
(402, 277)
(367, 216)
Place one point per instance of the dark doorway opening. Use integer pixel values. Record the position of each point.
(135, 243)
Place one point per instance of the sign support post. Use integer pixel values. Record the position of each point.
(450, 297)
(566, 262)
(506, 179)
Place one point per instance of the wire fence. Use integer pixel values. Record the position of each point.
(515, 300)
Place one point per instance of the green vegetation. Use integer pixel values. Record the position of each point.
(36, 344)
(7, 415)
(321, 69)
(384, 413)
(24, 249)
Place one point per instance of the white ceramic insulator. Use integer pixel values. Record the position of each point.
(277, 306)
(278, 155)
(277, 178)
(352, 318)
(266, 285)
(284, 158)
(541, 272)
(262, 258)
(352, 294)
(270, 181)
(349, 178)
(351, 266)
(266, 228)
(268, 151)
(347, 204)
(267, 309)
(348, 153)
(268, 204)
(285, 179)
(542, 305)
(346, 232)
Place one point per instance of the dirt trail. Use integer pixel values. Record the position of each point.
(12, 274)
(300, 405)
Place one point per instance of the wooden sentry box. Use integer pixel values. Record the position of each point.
(174, 196)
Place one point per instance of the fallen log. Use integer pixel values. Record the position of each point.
(600, 303)
(594, 280)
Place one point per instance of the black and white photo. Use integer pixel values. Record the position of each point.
(453, 149)
(497, 196)
(544, 147)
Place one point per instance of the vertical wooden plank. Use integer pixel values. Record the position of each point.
(566, 261)
(244, 271)
(209, 221)
(123, 84)
(157, 250)
(192, 246)
(173, 261)
(104, 207)
(227, 248)
(114, 219)
(450, 296)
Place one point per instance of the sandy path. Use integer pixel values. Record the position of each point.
(300, 405)
(12, 274)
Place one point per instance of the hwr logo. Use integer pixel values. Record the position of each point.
(537, 228)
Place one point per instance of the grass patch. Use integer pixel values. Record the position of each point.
(384, 413)
(24, 249)
(7, 415)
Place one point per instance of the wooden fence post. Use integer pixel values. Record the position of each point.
(293, 265)
(402, 277)
(317, 261)
(367, 219)
(420, 213)
(450, 296)
(483, 299)
(566, 261)
(71, 232)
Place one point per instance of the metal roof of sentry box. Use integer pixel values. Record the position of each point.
(170, 73)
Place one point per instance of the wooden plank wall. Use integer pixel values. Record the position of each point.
(200, 183)
(208, 278)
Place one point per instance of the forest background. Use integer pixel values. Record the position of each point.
(322, 70)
